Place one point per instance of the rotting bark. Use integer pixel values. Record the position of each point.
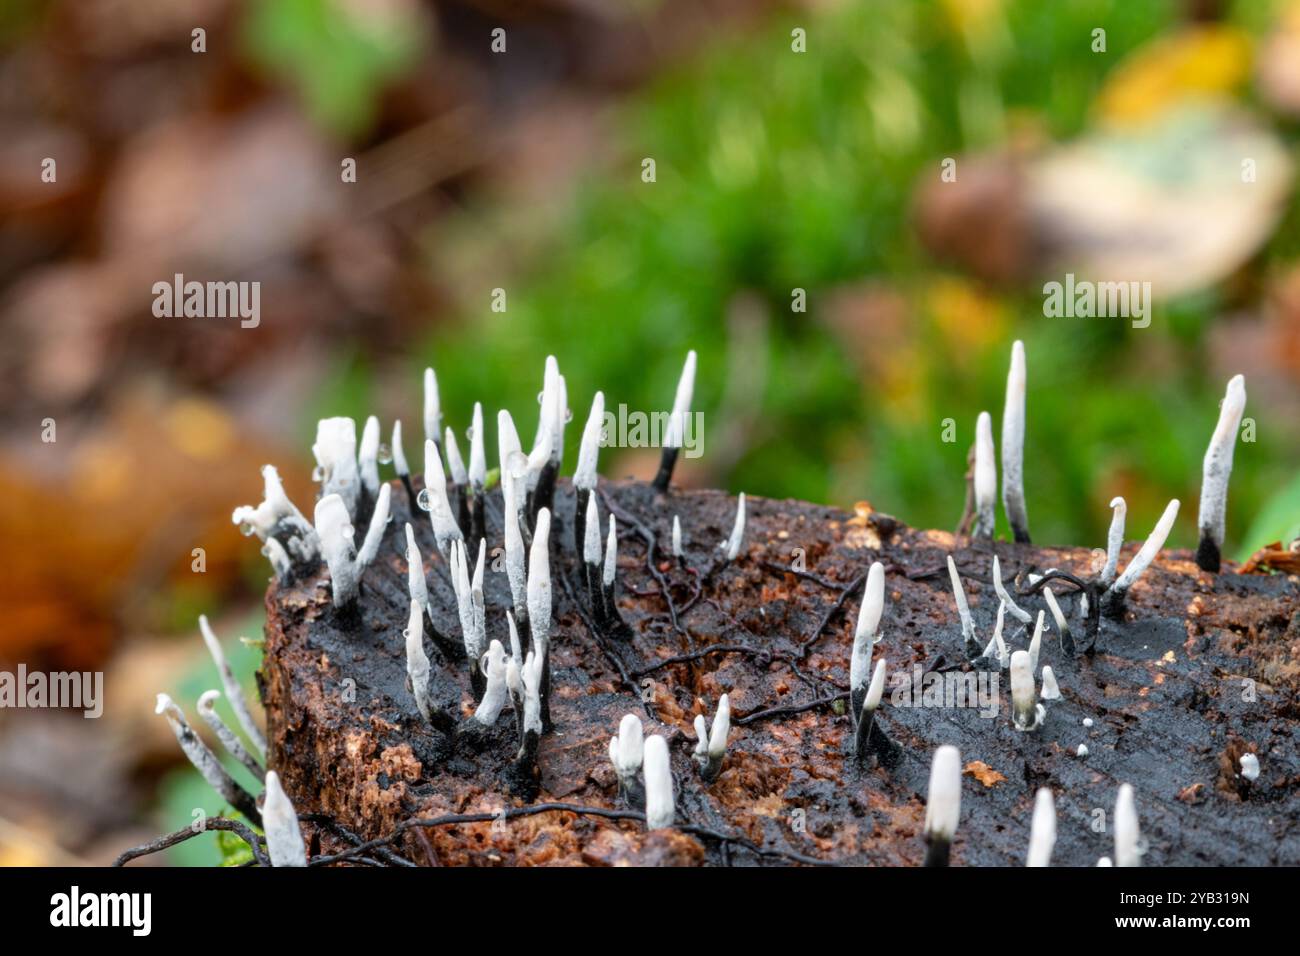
(1166, 690)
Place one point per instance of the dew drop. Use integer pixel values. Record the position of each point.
(423, 501)
(246, 529)
(318, 473)
(384, 455)
(539, 397)
(568, 415)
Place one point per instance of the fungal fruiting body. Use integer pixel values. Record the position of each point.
(336, 460)
(1250, 766)
(1114, 541)
(1062, 627)
(626, 750)
(234, 746)
(234, 693)
(1026, 713)
(986, 477)
(1019, 613)
(1128, 851)
(710, 748)
(942, 804)
(864, 635)
(278, 521)
(539, 607)
(280, 823)
(434, 500)
(1013, 447)
(737, 530)
(432, 408)
(584, 476)
(868, 737)
(676, 424)
(1036, 642)
(1216, 470)
(494, 697)
(206, 762)
(477, 476)
(963, 611)
(658, 773)
(1042, 829)
(1050, 689)
(615, 624)
(417, 662)
(1112, 601)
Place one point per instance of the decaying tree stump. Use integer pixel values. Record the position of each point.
(1202, 669)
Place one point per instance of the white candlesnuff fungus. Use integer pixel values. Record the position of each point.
(986, 477)
(516, 651)
(228, 738)
(963, 610)
(205, 761)
(477, 605)
(1082, 751)
(1026, 713)
(1013, 448)
(494, 698)
(737, 530)
(677, 537)
(1128, 851)
(611, 555)
(279, 558)
(864, 635)
(1062, 626)
(1042, 829)
(584, 477)
(434, 499)
(1019, 613)
(278, 518)
(625, 752)
(711, 748)
(334, 528)
(658, 772)
(1050, 689)
(432, 408)
(460, 584)
(234, 692)
(863, 742)
(1216, 470)
(1113, 599)
(676, 430)
(368, 456)
(280, 823)
(681, 403)
(416, 583)
(417, 662)
(550, 423)
(512, 468)
(996, 649)
(1036, 643)
(1114, 540)
(1250, 766)
(477, 451)
(532, 678)
(539, 582)
(399, 452)
(455, 463)
(515, 572)
(560, 416)
(336, 460)
(378, 525)
(942, 804)
(591, 534)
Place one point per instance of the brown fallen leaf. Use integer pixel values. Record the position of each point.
(983, 773)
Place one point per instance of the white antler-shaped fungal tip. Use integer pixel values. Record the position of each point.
(1042, 830)
(368, 455)
(591, 533)
(335, 450)
(477, 450)
(1216, 471)
(864, 636)
(943, 803)
(876, 690)
(584, 477)
(400, 464)
(963, 607)
(1128, 851)
(417, 662)
(494, 665)
(1026, 713)
(657, 769)
(610, 570)
(681, 403)
(737, 530)
(1050, 691)
(280, 821)
(1147, 553)
(1013, 446)
(455, 463)
(539, 578)
(677, 537)
(1019, 613)
(720, 729)
(986, 477)
(432, 407)
(629, 746)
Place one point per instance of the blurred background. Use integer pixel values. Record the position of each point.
(844, 295)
